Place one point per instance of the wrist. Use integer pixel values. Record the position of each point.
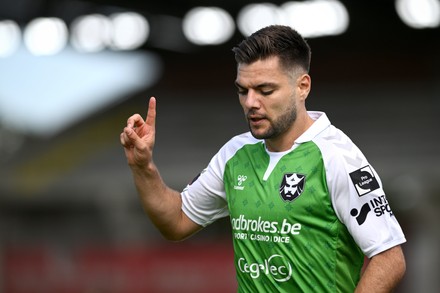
(146, 170)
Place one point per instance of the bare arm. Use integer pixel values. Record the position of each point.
(383, 272)
(162, 204)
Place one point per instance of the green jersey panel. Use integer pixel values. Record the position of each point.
(286, 235)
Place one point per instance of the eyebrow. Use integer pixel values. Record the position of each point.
(237, 84)
(259, 86)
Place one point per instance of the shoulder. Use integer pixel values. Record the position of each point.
(238, 142)
(229, 149)
(337, 148)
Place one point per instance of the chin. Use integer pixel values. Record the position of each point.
(259, 135)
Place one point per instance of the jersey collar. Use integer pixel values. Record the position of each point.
(320, 124)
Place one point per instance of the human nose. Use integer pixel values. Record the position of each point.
(251, 100)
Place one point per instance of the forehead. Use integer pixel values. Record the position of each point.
(261, 71)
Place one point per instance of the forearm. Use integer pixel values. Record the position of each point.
(383, 272)
(161, 203)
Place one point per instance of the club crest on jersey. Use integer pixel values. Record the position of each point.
(292, 186)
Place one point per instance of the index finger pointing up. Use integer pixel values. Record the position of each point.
(150, 120)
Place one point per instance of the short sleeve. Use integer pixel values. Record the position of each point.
(358, 197)
(204, 200)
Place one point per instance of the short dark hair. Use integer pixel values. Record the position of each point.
(275, 40)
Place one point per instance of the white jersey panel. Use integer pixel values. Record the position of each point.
(204, 200)
(357, 194)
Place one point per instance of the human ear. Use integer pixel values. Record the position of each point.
(304, 83)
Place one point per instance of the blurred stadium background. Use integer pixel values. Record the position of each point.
(71, 72)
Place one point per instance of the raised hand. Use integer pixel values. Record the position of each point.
(138, 137)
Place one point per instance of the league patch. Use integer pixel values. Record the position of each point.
(364, 180)
(292, 186)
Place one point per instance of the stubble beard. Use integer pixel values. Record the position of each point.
(278, 126)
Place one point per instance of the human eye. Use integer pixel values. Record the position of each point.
(266, 89)
(267, 92)
(241, 91)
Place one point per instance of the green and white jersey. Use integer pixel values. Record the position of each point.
(303, 219)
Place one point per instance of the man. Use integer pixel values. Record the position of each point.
(305, 204)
